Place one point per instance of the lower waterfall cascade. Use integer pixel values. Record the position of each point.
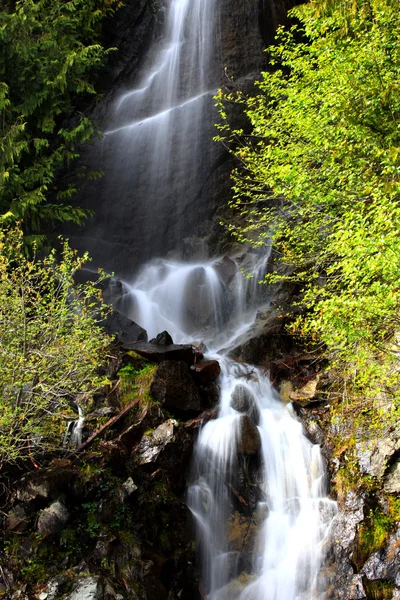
(293, 515)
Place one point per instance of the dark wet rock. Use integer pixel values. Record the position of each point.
(205, 371)
(244, 402)
(158, 353)
(162, 338)
(149, 417)
(385, 564)
(209, 394)
(375, 454)
(246, 491)
(122, 329)
(249, 438)
(174, 388)
(265, 341)
(314, 422)
(226, 269)
(53, 519)
(18, 519)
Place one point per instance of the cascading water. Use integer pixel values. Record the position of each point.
(200, 302)
(214, 303)
(154, 152)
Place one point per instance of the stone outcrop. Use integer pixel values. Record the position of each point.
(53, 519)
(159, 353)
(122, 329)
(249, 437)
(205, 371)
(174, 388)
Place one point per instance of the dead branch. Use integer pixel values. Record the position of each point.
(109, 423)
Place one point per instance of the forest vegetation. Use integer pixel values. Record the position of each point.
(318, 168)
(50, 57)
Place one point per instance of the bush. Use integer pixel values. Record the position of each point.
(51, 345)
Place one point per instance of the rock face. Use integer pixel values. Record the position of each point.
(173, 387)
(348, 585)
(374, 454)
(385, 564)
(137, 32)
(87, 588)
(53, 519)
(249, 438)
(123, 329)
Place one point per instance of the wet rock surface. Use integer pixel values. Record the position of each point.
(249, 438)
(205, 371)
(122, 329)
(174, 388)
(243, 401)
(159, 353)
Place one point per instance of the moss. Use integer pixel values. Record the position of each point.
(378, 590)
(373, 534)
(135, 383)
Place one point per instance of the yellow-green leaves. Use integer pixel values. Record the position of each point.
(51, 345)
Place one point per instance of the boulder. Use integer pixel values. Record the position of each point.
(129, 486)
(124, 330)
(244, 402)
(173, 387)
(162, 338)
(158, 353)
(305, 393)
(205, 371)
(226, 269)
(154, 443)
(249, 440)
(53, 519)
(87, 588)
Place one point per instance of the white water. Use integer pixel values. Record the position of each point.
(194, 302)
(198, 302)
(74, 429)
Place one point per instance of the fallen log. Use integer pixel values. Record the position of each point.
(107, 425)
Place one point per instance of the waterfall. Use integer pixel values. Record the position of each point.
(73, 432)
(155, 150)
(215, 304)
(293, 515)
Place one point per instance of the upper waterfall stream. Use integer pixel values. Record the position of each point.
(199, 303)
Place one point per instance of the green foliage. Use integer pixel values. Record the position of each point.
(49, 58)
(51, 345)
(320, 173)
